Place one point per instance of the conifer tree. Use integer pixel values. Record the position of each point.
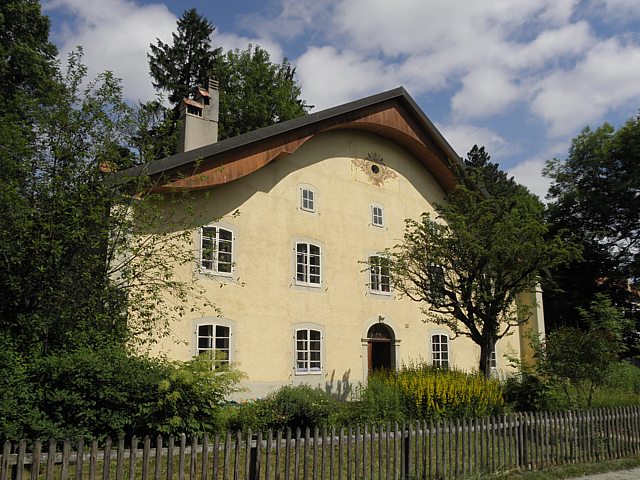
(188, 62)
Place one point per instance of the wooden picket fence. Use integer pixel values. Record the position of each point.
(457, 448)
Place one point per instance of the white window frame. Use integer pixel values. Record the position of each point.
(374, 216)
(377, 275)
(308, 198)
(216, 262)
(308, 359)
(440, 362)
(216, 342)
(304, 267)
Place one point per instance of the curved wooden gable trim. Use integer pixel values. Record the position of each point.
(387, 119)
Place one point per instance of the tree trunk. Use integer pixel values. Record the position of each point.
(487, 346)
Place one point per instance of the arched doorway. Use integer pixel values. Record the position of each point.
(380, 348)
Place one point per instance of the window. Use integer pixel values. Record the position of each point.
(377, 216)
(440, 350)
(308, 351)
(307, 199)
(493, 361)
(215, 341)
(308, 264)
(216, 247)
(379, 276)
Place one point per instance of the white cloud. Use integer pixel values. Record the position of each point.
(464, 136)
(294, 18)
(485, 92)
(606, 78)
(115, 35)
(491, 52)
(529, 173)
(619, 10)
(330, 77)
(230, 41)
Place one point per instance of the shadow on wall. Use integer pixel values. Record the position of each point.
(339, 389)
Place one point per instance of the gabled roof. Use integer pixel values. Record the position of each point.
(392, 114)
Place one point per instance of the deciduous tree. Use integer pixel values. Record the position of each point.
(254, 92)
(594, 195)
(467, 265)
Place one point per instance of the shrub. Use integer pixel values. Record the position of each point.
(527, 393)
(624, 376)
(109, 392)
(190, 395)
(302, 406)
(289, 407)
(429, 392)
(379, 401)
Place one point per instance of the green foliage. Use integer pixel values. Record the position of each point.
(624, 375)
(302, 406)
(87, 264)
(108, 391)
(95, 392)
(27, 58)
(188, 62)
(419, 391)
(289, 407)
(578, 361)
(429, 392)
(19, 413)
(254, 92)
(527, 393)
(377, 401)
(593, 195)
(189, 398)
(468, 265)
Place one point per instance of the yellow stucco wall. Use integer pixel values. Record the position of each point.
(262, 299)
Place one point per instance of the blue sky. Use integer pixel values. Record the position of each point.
(520, 77)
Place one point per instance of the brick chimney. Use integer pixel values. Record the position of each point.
(200, 118)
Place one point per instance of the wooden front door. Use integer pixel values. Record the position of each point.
(380, 342)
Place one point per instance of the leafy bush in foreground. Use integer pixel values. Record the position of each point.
(107, 392)
(289, 407)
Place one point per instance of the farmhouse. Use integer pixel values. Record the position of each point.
(287, 226)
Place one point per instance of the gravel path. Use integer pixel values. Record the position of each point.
(619, 475)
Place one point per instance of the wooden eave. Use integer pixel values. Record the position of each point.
(393, 115)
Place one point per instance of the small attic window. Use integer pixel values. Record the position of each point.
(207, 100)
(194, 110)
